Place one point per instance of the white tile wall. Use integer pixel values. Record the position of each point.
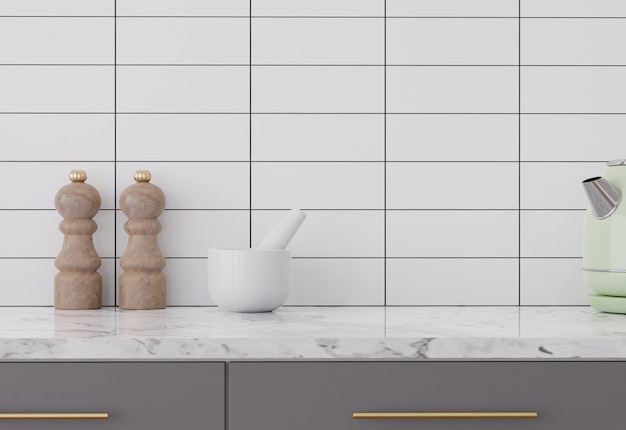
(573, 8)
(571, 41)
(463, 8)
(170, 41)
(452, 185)
(438, 147)
(309, 89)
(183, 8)
(458, 89)
(549, 90)
(318, 41)
(54, 41)
(318, 185)
(212, 89)
(33, 185)
(57, 8)
(45, 137)
(325, 137)
(452, 41)
(189, 233)
(554, 281)
(453, 233)
(329, 233)
(337, 282)
(452, 137)
(55, 89)
(572, 137)
(318, 8)
(469, 281)
(196, 137)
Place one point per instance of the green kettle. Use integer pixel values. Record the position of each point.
(604, 239)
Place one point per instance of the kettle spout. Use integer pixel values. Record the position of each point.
(603, 197)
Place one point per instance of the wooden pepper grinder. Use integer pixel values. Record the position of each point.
(78, 285)
(142, 285)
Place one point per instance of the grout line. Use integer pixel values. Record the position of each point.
(250, 125)
(115, 292)
(312, 161)
(315, 113)
(519, 155)
(320, 209)
(385, 158)
(340, 258)
(516, 17)
(295, 65)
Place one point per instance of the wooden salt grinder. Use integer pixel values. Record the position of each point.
(78, 285)
(142, 285)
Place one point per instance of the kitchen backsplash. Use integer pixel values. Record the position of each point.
(436, 146)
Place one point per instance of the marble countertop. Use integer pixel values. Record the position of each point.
(332, 333)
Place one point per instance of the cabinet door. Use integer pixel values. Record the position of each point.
(137, 396)
(315, 396)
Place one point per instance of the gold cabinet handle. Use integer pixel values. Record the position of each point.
(422, 415)
(55, 416)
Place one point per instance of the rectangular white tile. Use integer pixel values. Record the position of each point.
(572, 137)
(573, 89)
(183, 8)
(430, 233)
(57, 7)
(328, 233)
(57, 137)
(318, 41)
(469, 41)
(54, 41)
(553, 282)
(552, 233)
(187, 282)
(192, 233)
(578, 8)
(183, 41)
(452, 137)
(34, 185)
(452, 8)
(183, 89)
(452, 282)
(193, 137)
(31, 282)
(452, 185)
(194, 185)
(318, 89)
(56, 88)
(317, 185)
(556, 185)
(328, 282)
(35, 234)
(452, 89)
(318, 8)
(573, 41)
(318, 137)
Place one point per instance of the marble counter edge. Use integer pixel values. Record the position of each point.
(231, 349)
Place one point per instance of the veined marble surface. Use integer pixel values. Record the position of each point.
(400, 333)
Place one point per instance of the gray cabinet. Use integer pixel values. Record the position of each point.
(137, 396)
(323, 395)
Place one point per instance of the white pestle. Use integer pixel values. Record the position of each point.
(282, 234)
